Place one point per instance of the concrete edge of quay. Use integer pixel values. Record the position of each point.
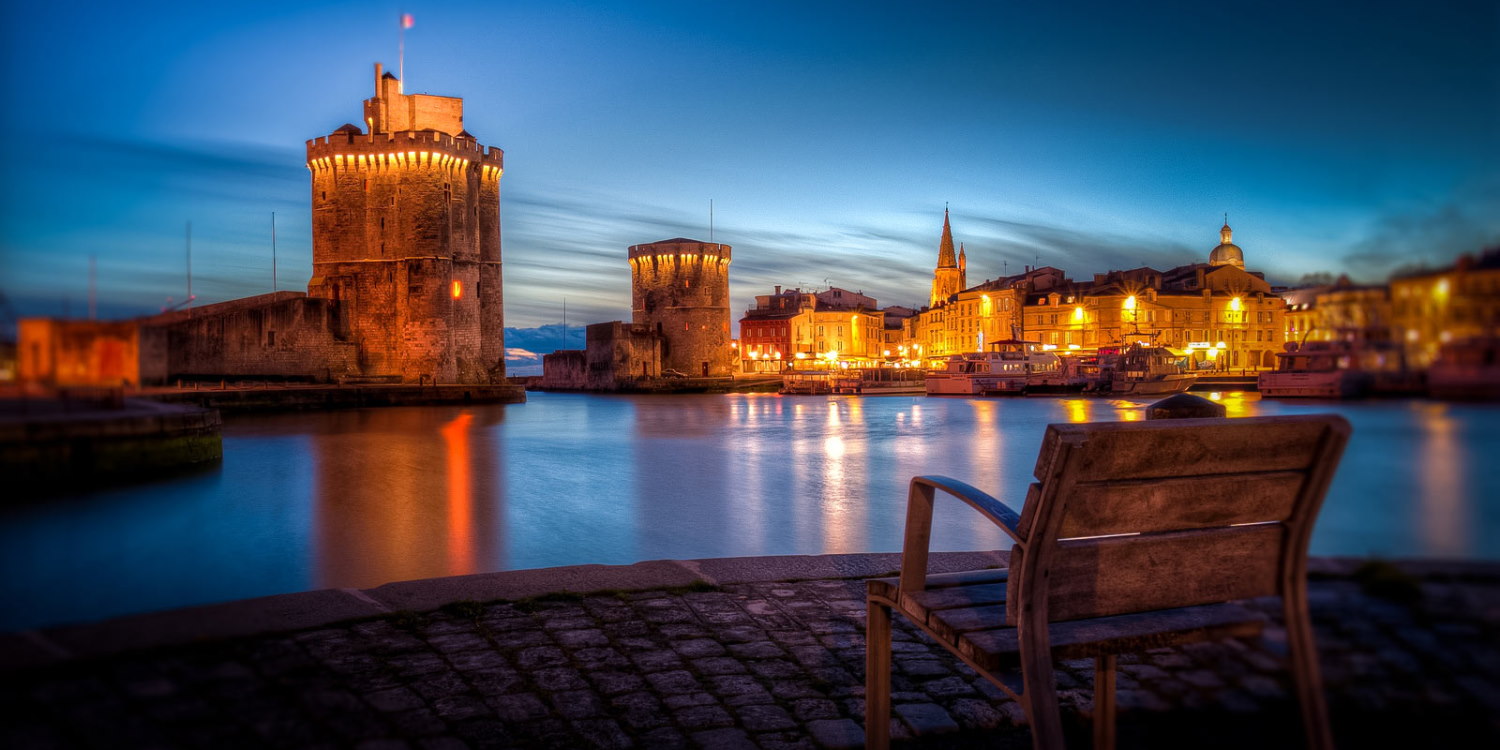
(310, 609)
(282, 398)
(47, 444)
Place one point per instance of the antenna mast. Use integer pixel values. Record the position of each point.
(189, 300)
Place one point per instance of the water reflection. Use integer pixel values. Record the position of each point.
(361, 498)
(1443, 513)
(401, 494)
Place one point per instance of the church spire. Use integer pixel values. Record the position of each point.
(945, 247)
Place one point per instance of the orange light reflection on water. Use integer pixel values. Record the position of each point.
(460, 495)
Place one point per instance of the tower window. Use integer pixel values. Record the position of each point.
(325, 195)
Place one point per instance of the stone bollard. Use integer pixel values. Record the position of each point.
(1185, 406)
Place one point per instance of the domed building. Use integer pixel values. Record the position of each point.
(1227, 253)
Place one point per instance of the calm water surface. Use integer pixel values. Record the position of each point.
(361, 498)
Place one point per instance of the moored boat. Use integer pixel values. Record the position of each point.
(1467, 368)
(806, 382)
(1343, 368)
(875, 381)
(1008, 368)
(1140, 370)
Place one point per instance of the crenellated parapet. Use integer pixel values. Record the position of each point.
(680, 253)
(410, 149)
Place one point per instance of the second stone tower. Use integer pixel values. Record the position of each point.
(680, 290)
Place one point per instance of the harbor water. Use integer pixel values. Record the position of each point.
(364, 497)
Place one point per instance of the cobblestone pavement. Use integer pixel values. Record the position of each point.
(765, 665)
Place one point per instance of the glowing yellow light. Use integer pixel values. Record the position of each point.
(1130, 302)
(1078, 314)
(1441, 290)
(887, 353)
(1234, 304)
(1221, 345)
(1074, 346)
(458, 289)
(801, 355)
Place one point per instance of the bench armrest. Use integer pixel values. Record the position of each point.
(918, 535)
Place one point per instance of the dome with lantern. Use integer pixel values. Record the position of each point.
(1227, 253)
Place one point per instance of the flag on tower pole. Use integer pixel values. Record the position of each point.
(406, 23)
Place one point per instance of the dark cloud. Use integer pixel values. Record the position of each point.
(1430, 234)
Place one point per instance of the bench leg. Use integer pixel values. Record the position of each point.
(877, 676)
(1039, 697)
(1305, 673)
(1104, 702)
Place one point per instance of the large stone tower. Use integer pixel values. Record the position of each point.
(680, 289)
(950, 276)
(406, 235)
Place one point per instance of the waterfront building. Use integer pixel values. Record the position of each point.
(766, 331)
(834, 325)
(1340, 310)
(1217, 312)
(1432, 308)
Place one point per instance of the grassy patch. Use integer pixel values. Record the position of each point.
(407, 619)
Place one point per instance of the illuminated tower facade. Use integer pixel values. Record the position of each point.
(406, 236)
(948, 278)
(680, 290)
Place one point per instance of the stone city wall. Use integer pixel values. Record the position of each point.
(286, 336)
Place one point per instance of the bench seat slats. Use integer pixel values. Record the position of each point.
(998, 648)
(886, 587)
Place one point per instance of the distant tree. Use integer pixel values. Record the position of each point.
(1321, 278)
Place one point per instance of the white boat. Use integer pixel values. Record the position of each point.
(875, 381)
(1008, 368)
(1146, 371)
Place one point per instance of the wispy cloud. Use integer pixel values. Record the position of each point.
(1425, 234)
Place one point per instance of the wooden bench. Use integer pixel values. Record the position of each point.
(1136, 535)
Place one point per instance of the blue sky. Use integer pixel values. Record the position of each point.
(1338, 137)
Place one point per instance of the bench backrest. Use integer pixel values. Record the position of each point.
(1139, 516)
